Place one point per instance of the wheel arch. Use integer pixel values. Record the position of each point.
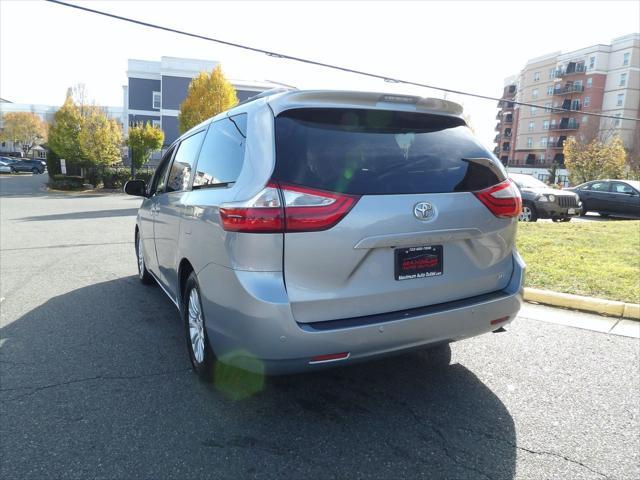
(184, 270)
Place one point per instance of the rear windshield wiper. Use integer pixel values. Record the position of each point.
(213, 185)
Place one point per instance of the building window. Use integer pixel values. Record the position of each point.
(577, 85)
(617, 122)
(592, 63)
(157, 100)
(623, 80)
(534, 93)
(545, 125)
(532, 126)
(552, 73)
(547, 107)
(536, 76)
(156, 123)
(587, 101)
(529, 142)
(625, 59)
(543, 142)
(585, 119)
(589, 82)
(550, 90)
(542, 157)
(620, 100)
(534, 110)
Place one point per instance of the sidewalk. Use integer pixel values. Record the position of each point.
(587, 321)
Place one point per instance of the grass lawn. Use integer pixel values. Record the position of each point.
(597, 259)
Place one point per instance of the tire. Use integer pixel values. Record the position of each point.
(35, 171)
(143, 274)
(200, 353)
(565, 219)
(528, 213)
(438, 356)
(584, 213)
(13, 170)
(603, 215)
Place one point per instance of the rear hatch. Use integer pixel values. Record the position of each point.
(413, 223)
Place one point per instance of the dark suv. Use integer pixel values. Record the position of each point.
(541, 201)
(27, 165)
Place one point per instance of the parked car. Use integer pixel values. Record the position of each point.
(616, 198)
(541, 201)
(25, 165)
(305, 229)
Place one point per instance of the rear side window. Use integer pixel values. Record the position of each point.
(222, 153)
(377, 152)
(180, 173)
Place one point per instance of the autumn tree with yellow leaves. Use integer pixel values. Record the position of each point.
(208, 95)
(594, 160)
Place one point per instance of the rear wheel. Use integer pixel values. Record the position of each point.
(438, 356)
(13, 170)
(528, 213)
(35, 171)
(143, 274)
(200, 353)
(566, 219)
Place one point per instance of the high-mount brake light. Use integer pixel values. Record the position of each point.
(503, 199)
(287, 208)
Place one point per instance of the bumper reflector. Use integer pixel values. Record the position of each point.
(330, 357)
(499, 320)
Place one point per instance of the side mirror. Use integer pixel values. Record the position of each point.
(136, 188)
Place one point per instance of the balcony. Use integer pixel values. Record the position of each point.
(496, 139)
(565, 126)
(570, 69)
(499, 116)
(505, 104)
(508, 119)
(568, 89)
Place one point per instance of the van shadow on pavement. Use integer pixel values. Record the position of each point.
(96, 382)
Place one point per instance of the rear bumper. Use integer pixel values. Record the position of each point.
(250, 324)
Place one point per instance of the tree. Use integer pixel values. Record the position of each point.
(143, 140)
(207, 96)
(594, 160)
(64, 132)
(100, 138)
(25, 129)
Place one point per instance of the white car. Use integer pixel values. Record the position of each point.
(5, 168)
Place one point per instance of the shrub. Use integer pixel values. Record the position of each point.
(115, 178)
(146, 176)
(64, 182)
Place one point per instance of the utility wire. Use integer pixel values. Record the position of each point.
(330, 66)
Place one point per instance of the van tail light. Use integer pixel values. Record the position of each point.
(260, 214)
(503, 199)
(287, 208)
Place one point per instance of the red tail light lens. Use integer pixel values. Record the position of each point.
(308, 210)
(286, 208)
(260, 214)
(503, 199)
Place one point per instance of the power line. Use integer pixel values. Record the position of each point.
(330, 66)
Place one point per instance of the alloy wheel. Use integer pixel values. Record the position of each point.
(196, 326)
(525, 215)
(140, 258)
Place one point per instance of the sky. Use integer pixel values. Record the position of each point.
(470, 46)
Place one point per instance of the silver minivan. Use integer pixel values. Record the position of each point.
(304, 229)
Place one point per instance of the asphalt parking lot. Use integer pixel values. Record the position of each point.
(95, 381)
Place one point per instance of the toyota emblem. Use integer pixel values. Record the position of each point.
(424, 211)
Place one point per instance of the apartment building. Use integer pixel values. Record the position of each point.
(599, 79)
(155, 90)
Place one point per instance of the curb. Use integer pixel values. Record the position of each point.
(588, 304)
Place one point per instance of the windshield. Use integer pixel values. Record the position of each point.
(527, 181)
(377, 152)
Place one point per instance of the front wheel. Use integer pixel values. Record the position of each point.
(13, 170)
(565, 219)
(35, 171)
(143, 274)
(528, 213)
(200, 352)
